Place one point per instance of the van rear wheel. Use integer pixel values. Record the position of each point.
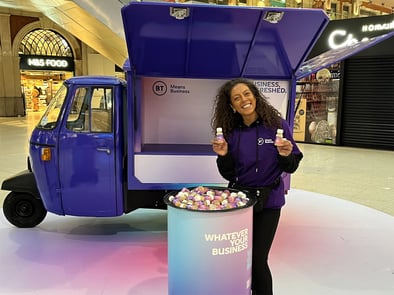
(23, 210)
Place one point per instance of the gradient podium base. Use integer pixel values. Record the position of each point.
(209, 253)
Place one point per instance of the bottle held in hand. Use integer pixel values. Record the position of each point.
(219, 135)
(279, 137)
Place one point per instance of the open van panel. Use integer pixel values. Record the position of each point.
(179, 54)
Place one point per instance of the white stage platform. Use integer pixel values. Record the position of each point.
(324, 246)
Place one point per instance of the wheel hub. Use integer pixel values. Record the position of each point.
(24, 209)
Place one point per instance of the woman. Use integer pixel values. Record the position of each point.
(250, 160)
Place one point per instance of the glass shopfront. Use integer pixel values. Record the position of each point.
(330, 109)
(45, 61)
(317, 107)
(41, 77)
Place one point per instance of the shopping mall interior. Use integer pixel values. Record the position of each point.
(336, 234)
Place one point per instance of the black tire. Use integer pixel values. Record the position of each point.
(23, 210)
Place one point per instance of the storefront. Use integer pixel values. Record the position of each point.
(351, 103)
(41, 76)
(45, 61)
(317, 98)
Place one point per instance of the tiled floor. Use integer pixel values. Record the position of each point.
(336, 235)
(362, 176)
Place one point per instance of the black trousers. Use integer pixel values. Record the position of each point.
(265, 224)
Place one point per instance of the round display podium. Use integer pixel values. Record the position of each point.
(209, 251)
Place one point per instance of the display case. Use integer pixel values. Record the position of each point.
(316, 113)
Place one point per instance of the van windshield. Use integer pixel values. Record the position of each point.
(51, 115)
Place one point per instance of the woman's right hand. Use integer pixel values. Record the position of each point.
(220, 147)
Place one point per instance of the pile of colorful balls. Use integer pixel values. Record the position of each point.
(210, 199)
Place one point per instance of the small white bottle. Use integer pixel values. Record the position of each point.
(279, 137)
(219, 134)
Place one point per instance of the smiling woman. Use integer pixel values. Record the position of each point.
(250, 159)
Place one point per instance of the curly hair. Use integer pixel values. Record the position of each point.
(225, 117)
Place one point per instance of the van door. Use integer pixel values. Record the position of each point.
(86, 153)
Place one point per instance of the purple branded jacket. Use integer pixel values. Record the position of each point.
(253, 160)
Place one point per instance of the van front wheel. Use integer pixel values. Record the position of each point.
(23, 210)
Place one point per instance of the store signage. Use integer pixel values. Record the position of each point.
(46, 63)
(341, 37)
(378, 27)
(343, 33)
(41, 62)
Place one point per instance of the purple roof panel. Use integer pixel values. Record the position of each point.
(214, 41)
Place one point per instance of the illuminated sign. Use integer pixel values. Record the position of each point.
(341, 37)
(378, 27)
(46, 63)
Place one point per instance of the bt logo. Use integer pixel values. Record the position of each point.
(159, 88)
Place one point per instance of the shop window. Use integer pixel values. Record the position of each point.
(46, 60)
(316, 117)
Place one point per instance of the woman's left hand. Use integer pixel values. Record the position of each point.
(285, 148)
